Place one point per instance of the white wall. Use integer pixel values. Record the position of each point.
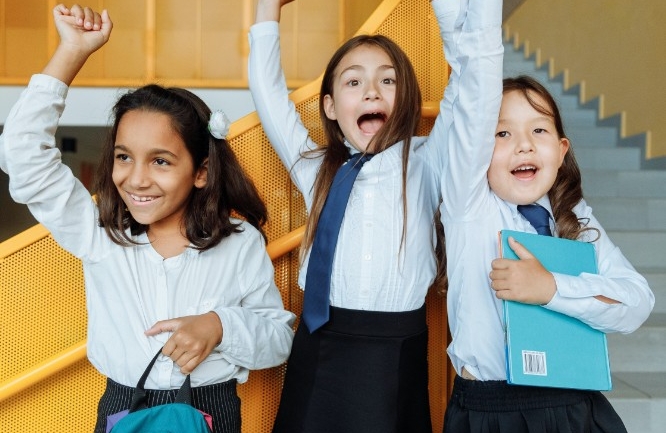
(85, 118)
(91, 106)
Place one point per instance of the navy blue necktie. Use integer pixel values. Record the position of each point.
(538, 216)
(318, 277)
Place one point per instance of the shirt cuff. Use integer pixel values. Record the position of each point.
(265, 28)
(49, 84)
(575, 307)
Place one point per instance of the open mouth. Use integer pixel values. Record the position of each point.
(370, 123)
(524, 171)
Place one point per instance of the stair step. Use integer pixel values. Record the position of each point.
(644, 249)
(595, 137)
(640, 400)
(636, 213)
(585, 117)
(625, 183)
(644, 350)
(613, 158)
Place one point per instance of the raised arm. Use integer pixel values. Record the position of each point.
(82, 32)
(269, 10)
(471, 30)
(28, 152)
(277, 112)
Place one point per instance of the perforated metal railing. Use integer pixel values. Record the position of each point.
(42, 305)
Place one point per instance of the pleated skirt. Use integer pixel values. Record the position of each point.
(497, 407)
(362, 372)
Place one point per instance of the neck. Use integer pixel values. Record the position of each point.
(167, 243)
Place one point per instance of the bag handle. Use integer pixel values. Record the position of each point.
(139, 397)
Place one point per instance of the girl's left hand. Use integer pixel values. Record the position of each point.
(524, 280)
(193, 338)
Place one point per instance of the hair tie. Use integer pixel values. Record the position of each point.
(218, 125)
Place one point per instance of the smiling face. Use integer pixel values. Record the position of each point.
(153, 171)
(528, 150)
(363, 94)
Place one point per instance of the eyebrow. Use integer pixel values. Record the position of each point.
(359, 67)
(154, 152)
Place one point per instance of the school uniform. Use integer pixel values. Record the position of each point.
(128, 289)
(366, 369)
(472, 216)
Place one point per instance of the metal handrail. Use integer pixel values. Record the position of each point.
(77, 352)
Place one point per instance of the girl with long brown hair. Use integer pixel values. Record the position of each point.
(497, 166)
(363, 368)
(167, 267)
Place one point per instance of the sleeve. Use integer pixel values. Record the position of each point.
(37, 176)
(616, 279)
(258, 333)
(469, 111)
(277, 112)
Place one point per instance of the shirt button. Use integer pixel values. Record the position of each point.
(368, 195)
(367, 256)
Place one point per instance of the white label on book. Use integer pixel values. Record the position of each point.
(534, 363)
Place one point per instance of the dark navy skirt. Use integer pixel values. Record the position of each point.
(362, 372)
(495, 406)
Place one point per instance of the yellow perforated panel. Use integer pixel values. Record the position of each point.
(41, 286)
(43, 312)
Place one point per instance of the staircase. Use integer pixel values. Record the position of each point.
(628, 195)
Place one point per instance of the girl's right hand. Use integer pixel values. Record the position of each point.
(269, 10)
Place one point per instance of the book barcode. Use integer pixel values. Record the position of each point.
(534, 363)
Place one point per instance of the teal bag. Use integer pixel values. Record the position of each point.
(177, 417)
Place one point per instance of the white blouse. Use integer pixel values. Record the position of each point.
(372, 269)
(473, 215)
(128, 289)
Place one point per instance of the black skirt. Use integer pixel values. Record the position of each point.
(220, 401)
(495, 406)
(362, 372)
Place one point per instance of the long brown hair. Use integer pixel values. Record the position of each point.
(401, 125)
(567, 190)
(228, 188)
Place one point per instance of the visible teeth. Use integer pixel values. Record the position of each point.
(529, 167)
(142, 199)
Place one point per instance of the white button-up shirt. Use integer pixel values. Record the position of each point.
(473, 215)
(128, 289)
(372, 270)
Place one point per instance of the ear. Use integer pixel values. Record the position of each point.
(564, 148)
(329, 107)
(201, 175)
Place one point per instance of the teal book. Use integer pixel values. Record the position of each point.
(546, 348)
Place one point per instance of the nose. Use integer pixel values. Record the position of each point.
(371, 92)
(138, 176)
(524, 144)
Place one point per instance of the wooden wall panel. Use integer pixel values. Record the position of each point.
(26, 41)
(124, 56)
(190, 43)
(224, 39)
